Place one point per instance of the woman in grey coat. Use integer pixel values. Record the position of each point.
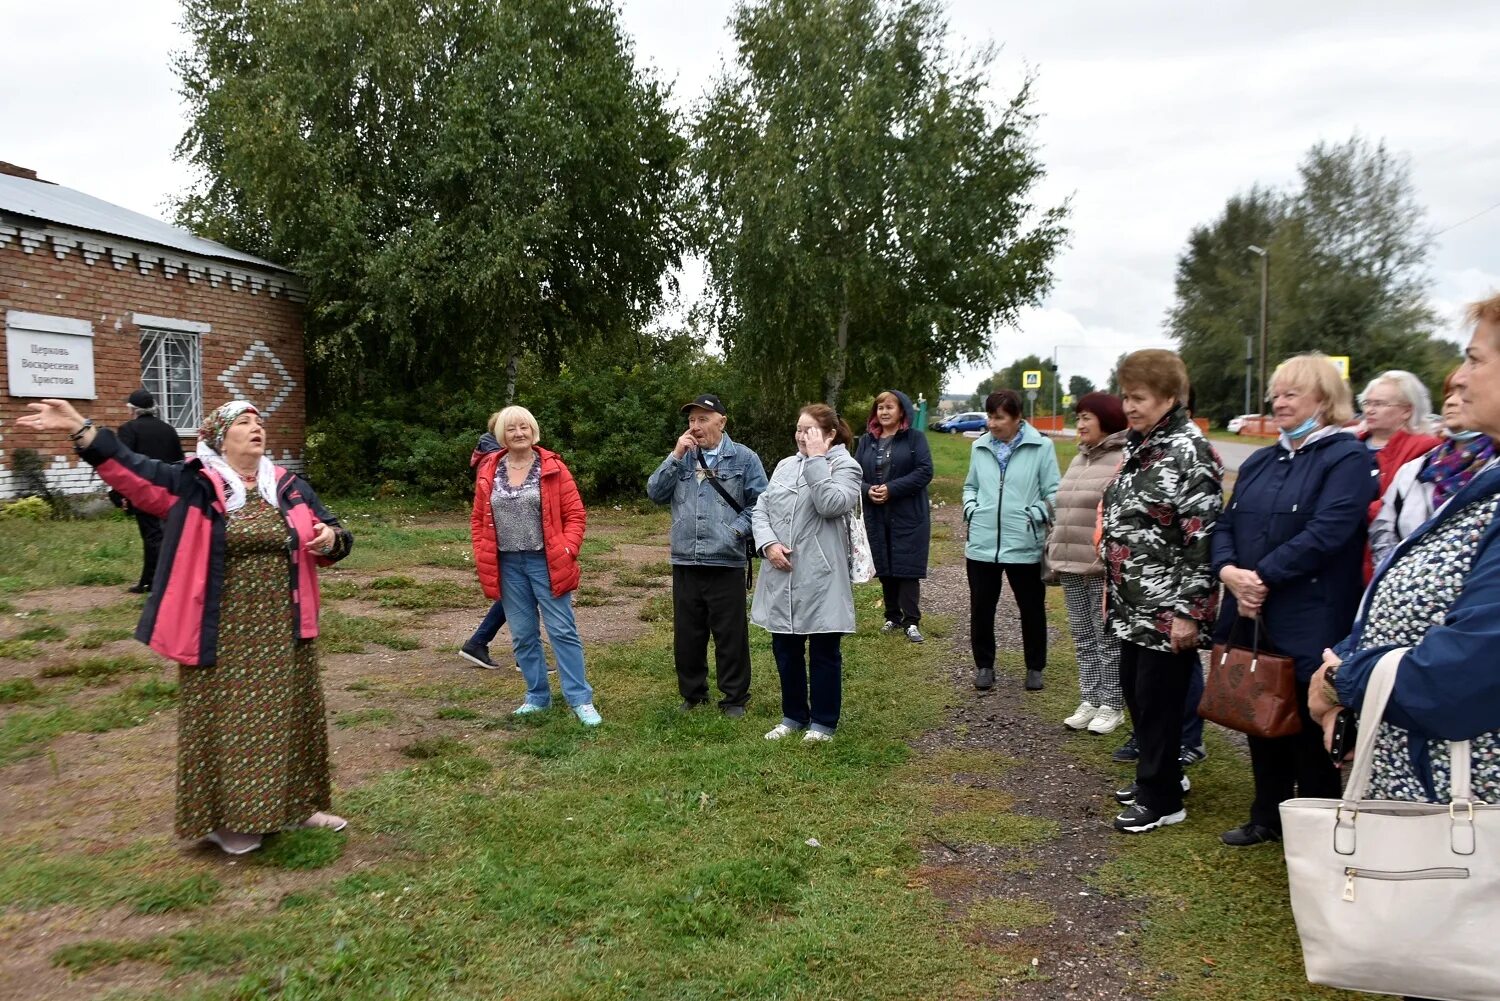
(803, 596)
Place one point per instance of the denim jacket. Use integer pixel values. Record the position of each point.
(705, 529)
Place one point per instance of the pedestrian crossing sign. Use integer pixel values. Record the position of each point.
(1031, 379)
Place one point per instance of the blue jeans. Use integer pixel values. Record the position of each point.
(490, 627)
(525, 590)
(818, 673)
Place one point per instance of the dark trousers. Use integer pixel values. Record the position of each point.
(901, 596)
(1031, 598)
(490, 627)
(150, 529)
(812, 686)
(1290, 766)
(710, 601)
(1156, 684)
(1192, 723)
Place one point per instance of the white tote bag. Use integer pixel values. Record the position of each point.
(1396, 897)
(861, 563)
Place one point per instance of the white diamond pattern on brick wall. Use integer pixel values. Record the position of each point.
(260, 370)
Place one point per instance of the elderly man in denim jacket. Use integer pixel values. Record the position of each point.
(712, 484)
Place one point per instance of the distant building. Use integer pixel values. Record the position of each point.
(98, 300)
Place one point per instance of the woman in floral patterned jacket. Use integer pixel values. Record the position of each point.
(1437, 594)
(1161, 595)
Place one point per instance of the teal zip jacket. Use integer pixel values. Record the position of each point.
(1008, 515)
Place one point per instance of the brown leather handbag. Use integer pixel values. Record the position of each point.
(1250, 690)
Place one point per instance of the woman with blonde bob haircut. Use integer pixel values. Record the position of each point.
(1395, 405)
(527, 525)
(1289, 549)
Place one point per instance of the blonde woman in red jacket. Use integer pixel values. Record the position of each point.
(527, 525)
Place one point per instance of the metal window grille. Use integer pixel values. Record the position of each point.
(172, 369)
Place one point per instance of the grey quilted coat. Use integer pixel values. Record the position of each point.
(804, 508)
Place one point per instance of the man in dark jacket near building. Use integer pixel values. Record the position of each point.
(153, 437)
(711, 483)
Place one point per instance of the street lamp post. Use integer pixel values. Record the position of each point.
(1265, 301)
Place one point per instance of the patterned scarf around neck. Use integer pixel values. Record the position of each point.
(1453, 464)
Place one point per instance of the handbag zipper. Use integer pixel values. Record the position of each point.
(1399, 875)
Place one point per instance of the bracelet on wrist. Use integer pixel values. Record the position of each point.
(76, 435)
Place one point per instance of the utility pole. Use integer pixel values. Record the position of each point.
(1265, 303)
(1054, 380)
(1249, 366)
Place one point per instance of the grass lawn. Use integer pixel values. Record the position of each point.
(661, 856)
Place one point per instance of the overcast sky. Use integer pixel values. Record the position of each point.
(1153, 114)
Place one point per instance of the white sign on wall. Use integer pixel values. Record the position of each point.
(49, 355)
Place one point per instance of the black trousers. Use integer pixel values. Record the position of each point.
(1291, 766)
(1156, 685)
(1031, 598)
(150, 529)
(901, 597)
(710, 601)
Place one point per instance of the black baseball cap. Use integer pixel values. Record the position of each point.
(708, 401)
(142, 399)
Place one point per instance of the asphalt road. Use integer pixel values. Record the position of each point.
(1234, 452)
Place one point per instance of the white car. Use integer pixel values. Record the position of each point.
(1236, 425)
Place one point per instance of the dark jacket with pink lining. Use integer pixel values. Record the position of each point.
(181, 618)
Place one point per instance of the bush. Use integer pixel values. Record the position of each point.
(26, 509)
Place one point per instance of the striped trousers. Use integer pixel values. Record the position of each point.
(1096, 645)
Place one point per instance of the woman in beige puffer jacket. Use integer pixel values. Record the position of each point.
(1073, 559)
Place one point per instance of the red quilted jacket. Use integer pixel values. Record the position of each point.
(563, 521)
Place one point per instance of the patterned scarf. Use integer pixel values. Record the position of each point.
(210, 444)
(1453, 464)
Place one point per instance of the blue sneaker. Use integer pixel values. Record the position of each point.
(527, 708)
(587, 714)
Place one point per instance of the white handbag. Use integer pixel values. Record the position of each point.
(861, 563)
(1396, 897)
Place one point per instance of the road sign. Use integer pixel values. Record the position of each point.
(1031, 379)
(1031, 395)
(1341, 362)
(1068, 400)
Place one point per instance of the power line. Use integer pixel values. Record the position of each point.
(1471, 218)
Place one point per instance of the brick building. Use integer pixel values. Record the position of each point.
(98, 301)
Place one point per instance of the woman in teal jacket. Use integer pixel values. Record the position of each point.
(1008, 496)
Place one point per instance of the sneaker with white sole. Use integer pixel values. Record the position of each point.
(816, 737)
(889, 627)
(1126, 796)
(1106, 720)
(587, 714)
(1082, 716)
(478, 655)
(527, 708)
(781, 730)
(914, 634)
(1139, 819)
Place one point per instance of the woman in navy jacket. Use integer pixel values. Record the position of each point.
(1289, 548)
(897, 466)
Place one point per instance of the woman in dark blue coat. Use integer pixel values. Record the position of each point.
(1289, 547)
(897, 467)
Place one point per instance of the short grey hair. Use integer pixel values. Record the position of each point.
(1412, 392)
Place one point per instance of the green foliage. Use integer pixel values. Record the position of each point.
(306, 848)
(461, 182)
(14, 690)
(1347, 276)
(865, 208)
(161, 896)
(26, 509)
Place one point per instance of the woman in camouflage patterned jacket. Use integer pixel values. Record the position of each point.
(1161, 596)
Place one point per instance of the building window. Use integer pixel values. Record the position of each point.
(172, 369)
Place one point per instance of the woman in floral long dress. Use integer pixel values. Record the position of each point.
(235, 602)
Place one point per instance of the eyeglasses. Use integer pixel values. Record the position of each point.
(1384, 405)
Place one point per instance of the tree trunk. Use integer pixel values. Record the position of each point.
(510, 376)
(840, 362)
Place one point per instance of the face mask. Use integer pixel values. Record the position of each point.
(1464, 435)
(1304, 429)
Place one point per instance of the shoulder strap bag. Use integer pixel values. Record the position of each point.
(738, 508)
(1250, 690)
(1396, 897)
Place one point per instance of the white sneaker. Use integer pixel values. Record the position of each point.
(1081, 716)
(816, 737)
(889, 627)
(1106, 719)
(914, 634)
(780, 730)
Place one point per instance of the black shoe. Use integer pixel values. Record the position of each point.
(478, 655)
(1126, 796)
(984, 678)
(1192, 755)
(733, 712)
(1127, 751)
(139, 589)
(1249, 834)
(688, 705)
(1033, 681)
(1138, 819)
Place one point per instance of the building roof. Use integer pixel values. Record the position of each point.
(48, 202)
